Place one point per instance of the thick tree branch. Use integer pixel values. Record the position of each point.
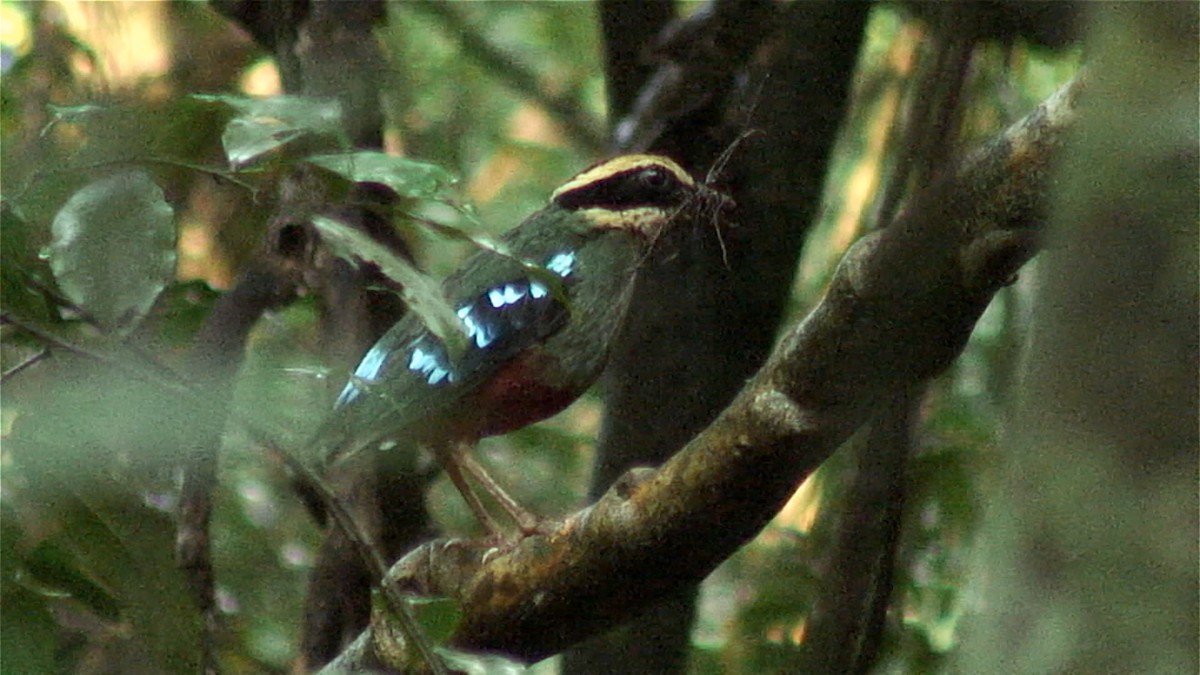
(704, 315)
(898, 311)
(627, 28)
(695, 324)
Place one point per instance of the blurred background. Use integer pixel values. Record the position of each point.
(88, 494)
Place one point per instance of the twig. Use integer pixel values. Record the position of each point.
(32, 359)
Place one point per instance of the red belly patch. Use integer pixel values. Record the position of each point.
(518, 396)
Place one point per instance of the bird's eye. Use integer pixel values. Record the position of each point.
(653, 177)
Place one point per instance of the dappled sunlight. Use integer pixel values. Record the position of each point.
(126, 36)
(261, 79)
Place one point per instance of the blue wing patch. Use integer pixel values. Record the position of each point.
(562, 264)
(481, 335)
(498, 323)
(368, 370)
(429, 360)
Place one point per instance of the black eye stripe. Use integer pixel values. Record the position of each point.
(633, 188)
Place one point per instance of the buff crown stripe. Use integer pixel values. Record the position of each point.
(622, 164)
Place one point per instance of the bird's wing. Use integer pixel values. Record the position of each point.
(409, 379)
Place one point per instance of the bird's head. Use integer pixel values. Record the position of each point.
(639, 194)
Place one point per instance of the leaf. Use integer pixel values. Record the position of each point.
(70, 114)
(93, 449)
(29, 631)
(421, 293)
(438, 617)
(406, 177)
(479, 664)
(74, 113)
(245, 140)
(499, 248)
(113, 248)
(55, 569)
(17, 291)
(264, 124)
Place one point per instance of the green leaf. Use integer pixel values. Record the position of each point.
(28, 632)
(405, 177)
(421, 293)
(264, 124)
(113, 248)
(70, 114)
(17, 291)
(497, 247)
(479, 664)
(247, 139)
(55, 569)
(438, 617)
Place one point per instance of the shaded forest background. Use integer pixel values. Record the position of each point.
(149, 119)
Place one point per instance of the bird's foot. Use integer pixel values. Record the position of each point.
(531, 525)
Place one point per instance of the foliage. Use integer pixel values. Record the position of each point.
(114, 241)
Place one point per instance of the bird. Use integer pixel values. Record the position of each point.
(536, 336)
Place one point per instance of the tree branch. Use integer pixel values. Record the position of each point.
(845, 627)
(898, 311)
(627, 28)
(703, 317)
(216, 356)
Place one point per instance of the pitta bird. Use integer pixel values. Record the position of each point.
(535, 339)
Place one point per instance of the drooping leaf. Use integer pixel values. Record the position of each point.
(264, 124)
(28, 631)
(55, 569)
(113, 248)
(497, 247)
(406, 177)
(421, 293)
(438, 617)
(70, 114)
(93, 452)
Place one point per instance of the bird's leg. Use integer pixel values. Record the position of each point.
(526, 521)
(454, 459)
